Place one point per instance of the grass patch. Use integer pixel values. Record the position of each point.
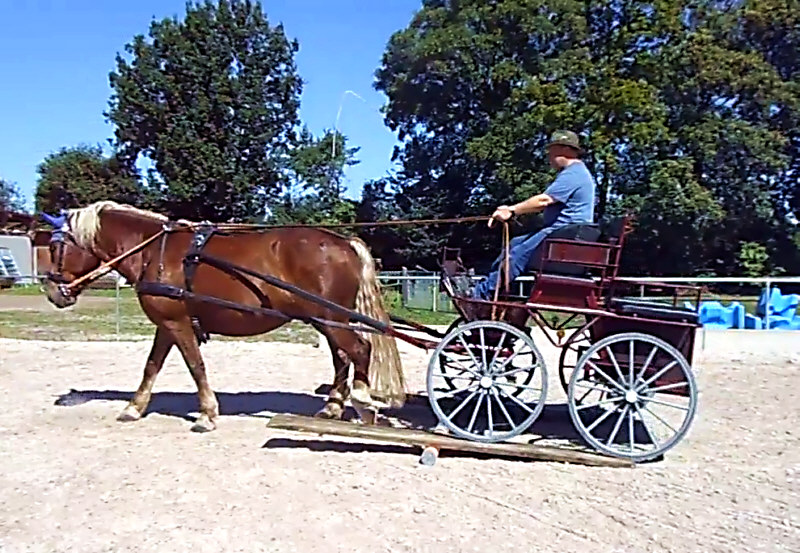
(99, 321)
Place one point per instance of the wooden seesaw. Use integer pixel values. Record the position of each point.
(432, 443)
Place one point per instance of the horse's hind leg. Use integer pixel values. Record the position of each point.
(186, 341)
(334, 407)
(162, 344)
(358, 350)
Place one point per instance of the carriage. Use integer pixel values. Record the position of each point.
(625, 363)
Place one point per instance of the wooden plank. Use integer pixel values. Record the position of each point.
(425, 439)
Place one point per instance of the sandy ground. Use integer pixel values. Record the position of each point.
(73, 479)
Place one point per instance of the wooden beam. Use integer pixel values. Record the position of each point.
(425, 439)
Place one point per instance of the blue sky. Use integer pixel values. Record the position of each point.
(55, 56)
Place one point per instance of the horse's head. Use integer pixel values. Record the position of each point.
(68, 260)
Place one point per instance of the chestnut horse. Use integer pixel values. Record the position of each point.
(331, 266)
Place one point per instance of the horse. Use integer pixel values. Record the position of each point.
(333, 267)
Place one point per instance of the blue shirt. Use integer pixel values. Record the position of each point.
(573, 191)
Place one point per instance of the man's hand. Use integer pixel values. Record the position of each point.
(502, 213)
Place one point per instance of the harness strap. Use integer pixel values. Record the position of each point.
(191, 260)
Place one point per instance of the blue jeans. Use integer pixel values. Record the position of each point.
(520, 252)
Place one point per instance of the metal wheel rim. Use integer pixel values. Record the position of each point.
(622, 412)
(512, 415)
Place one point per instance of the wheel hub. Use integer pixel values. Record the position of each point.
(486, 382)
(631, 396)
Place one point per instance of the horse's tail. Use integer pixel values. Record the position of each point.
(387, 383)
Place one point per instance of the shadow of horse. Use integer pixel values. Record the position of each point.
(554, 423)
(184, 404)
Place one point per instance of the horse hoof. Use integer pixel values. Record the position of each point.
(331, 411)
(203, 424)
(129, 414)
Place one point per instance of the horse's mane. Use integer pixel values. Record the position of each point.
(85, 221)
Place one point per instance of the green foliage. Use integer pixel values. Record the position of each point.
(753, 258)
(75, 177)
(10, 197)
(212, 100)
(687, 111)
(316, 191)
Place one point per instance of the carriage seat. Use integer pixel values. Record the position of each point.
(653, 310)
(585, 232)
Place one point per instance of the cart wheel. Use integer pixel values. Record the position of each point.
(451, 372)
(632, 395)
(490, 404)
(570, 355)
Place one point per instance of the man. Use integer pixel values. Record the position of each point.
(569, 199)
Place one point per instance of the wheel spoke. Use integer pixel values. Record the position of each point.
(462, 404)
(617, 426)
(514, 371)
(504, 410)
(515, 400)
(653, 378)
(598, 420)
(666, 387)
(616, 365)
(455, 377)
(604, 375)
(630, 430)
(464, 343)
(647, 428)
(483, 349)
(489, 413)
(453, 393)
(631, 364)
(475, 412)
(462, 367)
(665, 423)
(520, 386)
(667, 404)
(497, 351)
(599, 403)
(647, 362)
(579, 384)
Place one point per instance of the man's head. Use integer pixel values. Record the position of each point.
(563, 147)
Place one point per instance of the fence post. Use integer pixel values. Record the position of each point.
(404, 287)
(435, 288)
(766, 306)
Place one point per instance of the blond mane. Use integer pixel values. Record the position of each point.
(85, 221)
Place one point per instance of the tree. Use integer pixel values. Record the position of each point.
(315, 194)
(674, 115)
(10, 197)
(213, 101)
(75, 177)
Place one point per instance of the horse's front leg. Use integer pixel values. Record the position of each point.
(162, 344)
(185, 339)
